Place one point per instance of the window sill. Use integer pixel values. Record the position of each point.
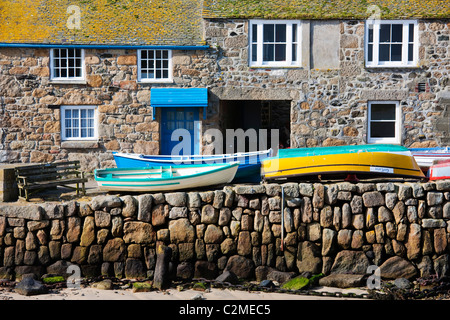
(154, 82)
(68, 81)
(392, 67)
(275, 67)
(79, 144)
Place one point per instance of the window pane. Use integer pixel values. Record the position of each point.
(371, 34)
(294, 52)
(382, 130)
(63, 53)
(280, 35)
(269, 33)
(78, 73)
(410, 52)
(165, 64)
(165, 54)
(280, 52)
(83, 133)
(165, 74)
(190, 115)
(180, 115)
(90, 113)
(71, 73)
(91, 133)
(268, 52)
(144, 64)
(68, 133)
(385, 33)
(370, 52)
(294, 33)
(411, 33)
(396, 52)
(384, 52)
(158, 74)
(158, 54)
(254, 33)
(382, 111)
(254, 52)
(144, 54)
(63, 73)
(56, 53)
(397, 33)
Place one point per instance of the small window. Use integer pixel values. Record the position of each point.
(384, 122)
(155, 65)
(391, 43)
(67, 64)
(78, 123)
(274, 43)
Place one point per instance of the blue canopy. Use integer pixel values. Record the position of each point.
(179, 97)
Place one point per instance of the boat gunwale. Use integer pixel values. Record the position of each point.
(219, 167)
(196, 157)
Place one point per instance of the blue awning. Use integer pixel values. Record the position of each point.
(179, 97)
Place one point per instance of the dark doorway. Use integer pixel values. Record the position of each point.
(257, 114)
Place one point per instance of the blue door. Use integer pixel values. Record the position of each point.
(179, 118)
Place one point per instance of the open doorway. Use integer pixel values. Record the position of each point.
(257, 114)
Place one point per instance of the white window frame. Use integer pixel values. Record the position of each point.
(63, 123)
(398, 123)
(162, 80)
(67, 79)
(375, 63)
(259, 59)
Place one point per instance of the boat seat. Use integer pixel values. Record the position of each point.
(166, 174)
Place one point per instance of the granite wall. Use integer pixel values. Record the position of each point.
(330, 228)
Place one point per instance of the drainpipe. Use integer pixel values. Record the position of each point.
(282, 218)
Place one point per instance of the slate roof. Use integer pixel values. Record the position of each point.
(325, 9)
(124, 22)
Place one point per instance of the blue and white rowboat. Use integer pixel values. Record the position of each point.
(165, 178)
(249, 168)
(426, 157)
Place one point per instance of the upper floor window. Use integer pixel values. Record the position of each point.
(67, 64)
(392, 43)
(155, 65)
(274, 43)
(78, 123)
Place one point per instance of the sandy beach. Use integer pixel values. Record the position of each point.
(173, 294)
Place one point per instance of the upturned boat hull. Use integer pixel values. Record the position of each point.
(426, 157)
(164, 178)
(439, 171)
(380, 160)
(249, 163)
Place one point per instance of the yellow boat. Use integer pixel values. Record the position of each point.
(365, 160)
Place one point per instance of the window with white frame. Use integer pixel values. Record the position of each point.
(392, 43)
(155, 65)
(67, 64)
(384, 122)
(274, 43)
(78, 123)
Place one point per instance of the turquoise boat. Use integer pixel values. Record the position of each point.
(165, 178)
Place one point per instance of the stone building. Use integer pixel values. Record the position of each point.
(81, 81)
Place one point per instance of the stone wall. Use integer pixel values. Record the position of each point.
(329, 228)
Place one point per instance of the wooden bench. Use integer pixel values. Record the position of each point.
(31, 179)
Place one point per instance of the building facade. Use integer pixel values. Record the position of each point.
(82, 82)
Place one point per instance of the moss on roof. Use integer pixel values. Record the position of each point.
(129, 22)
(325, 9)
